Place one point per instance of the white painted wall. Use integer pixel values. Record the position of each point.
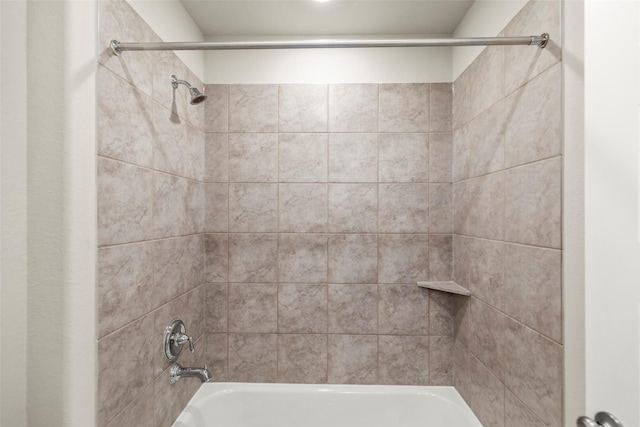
(13, 214)
(573, 211)
(170, 21)
(61, 219)
(371, 65)
(485, 18)
(612, 289)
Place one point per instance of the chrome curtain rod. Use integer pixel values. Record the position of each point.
(540, 41)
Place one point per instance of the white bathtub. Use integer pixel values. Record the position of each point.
(308, 405)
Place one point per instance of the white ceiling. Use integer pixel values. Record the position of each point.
(337, 17)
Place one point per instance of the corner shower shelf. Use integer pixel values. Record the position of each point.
(450, 287)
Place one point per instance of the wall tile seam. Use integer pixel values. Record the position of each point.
(514, 319)
(131, 404)
(149, 169)
(153, 240)
(150, 313)
(506, 95)
(519, 244)
(511, 242)
(506, 169)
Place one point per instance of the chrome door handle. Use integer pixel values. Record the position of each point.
(603, 419)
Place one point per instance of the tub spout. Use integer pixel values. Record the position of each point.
(176, 372)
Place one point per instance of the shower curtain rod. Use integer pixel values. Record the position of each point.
(540, 41)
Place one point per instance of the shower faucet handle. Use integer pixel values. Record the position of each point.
(180, 339)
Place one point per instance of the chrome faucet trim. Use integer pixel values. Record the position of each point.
(177, 372)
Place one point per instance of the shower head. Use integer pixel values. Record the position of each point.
(196, 96)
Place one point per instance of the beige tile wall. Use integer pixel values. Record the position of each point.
(331, 201)
(151, 200)
(507, 198)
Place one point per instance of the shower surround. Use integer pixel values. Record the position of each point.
(287, 225)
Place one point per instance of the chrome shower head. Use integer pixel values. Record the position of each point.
(196, 96)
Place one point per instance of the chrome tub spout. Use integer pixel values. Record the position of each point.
(177, 372)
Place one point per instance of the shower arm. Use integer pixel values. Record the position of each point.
(540, 41)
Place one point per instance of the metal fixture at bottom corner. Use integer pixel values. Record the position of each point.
(602, 419)
(177, 372)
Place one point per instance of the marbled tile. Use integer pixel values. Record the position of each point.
(441, 361)
(441, 208)
(530, 137)
(440, 157)
(253, 358)
(353, 309)
(403, 157)
(441, 314)
(461, 260)
(533, 281)
(403, 309)
(139, 413)
(125, 120)
(303, 108)
(352, 359)
(486, 271)
(479, 206)
(303, 157)
(461, 320)
(462, 371)
(253, 307)
(487, 336)
(169, 205)
(178, 267)
(353, 108)
(403, 360)
(216, 207)
(440, 257)
(521, 65)
(216, 357)
(216, 307)
(125, 203)
(302, 207)
(178, 146)
(125, 285)
(302, 308)
(124, 369)
(479, 145)
(487, 79)
(117, 17)
(253, 207)
(516, 414)
(487, 395)
(353, 208)
(253, 108)
(441, 107)
(194, 207)
(302, 258)
(353, 258)
(404, 107)
(403, 208)
(216, 157)
(353, 157)
(461, 107)
(302, 359)
(169, 399)
(253, 257)
(253, 157)
(533, 198)
(216, 257)
(403, 258)
(216, 108)
(533, 372)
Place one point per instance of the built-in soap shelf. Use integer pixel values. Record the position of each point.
(451, 287)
